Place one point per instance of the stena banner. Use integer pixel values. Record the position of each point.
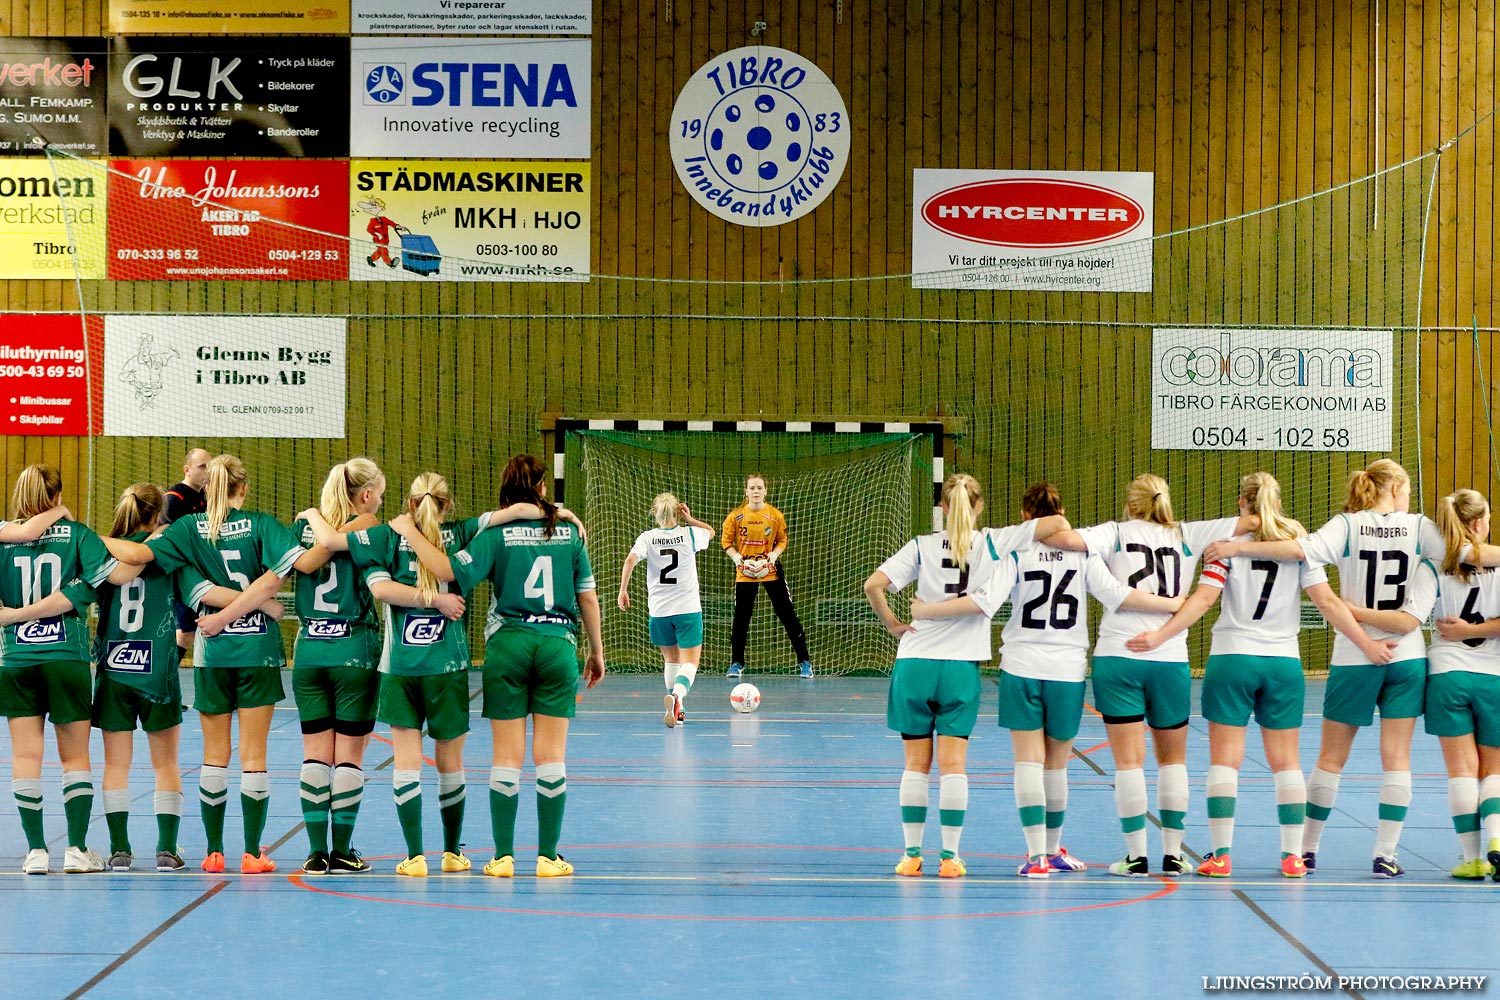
(1271, 390)
(1032, 230)
(484, 99)
(217, 376)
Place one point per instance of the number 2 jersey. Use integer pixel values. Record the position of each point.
(1146, 556)
(1381, 560)
(136, 644)
(670, 555)
(536, 577)
(1260, 612)
(337, 612)
(1047, 636)
(928, 560)
(68, 557)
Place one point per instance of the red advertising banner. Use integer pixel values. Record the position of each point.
(45, 377)
(257, 220)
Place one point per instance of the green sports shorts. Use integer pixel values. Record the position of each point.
(933, 696)
(1237, 684)
(1355, 690)
(119, 707)
(530, 673)
(60, 691)
(438, 701)
(1460, 702)
(1158, 690)
(682, 631)
(1027, 704)
(347, 694)
(221, 690)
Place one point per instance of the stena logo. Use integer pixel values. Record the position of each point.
(327, 628)
(252, 624)
(1033, 212)
(40, 632)
(129, 656)
(492, 85)
(422, 630)
(385, 83)
(759, 136)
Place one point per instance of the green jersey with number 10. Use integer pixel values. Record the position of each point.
(536, 577)
(66, 554)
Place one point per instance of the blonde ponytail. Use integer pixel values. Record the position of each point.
(1366, 485)
(1147, 498)
(38, 488)
(137, 510)
(1456, 515)
(1262, 495)
(429, 501)
(226, 477)
(344, 483)
(962, 495)
(664, 510)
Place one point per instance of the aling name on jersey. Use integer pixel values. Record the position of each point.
(130, 656)
(423, 630)
(42, 632)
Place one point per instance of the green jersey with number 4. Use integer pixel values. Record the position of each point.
(536, 577)
(136, 643)
(419, 642)
(337, 612)
(249, 544)
(67, 553)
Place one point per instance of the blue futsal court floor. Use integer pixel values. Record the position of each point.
(744, 856)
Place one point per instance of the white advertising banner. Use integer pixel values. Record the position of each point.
(1271, 390)
(490, 99)
(1032, 230)
(472, 17)
(215, 376)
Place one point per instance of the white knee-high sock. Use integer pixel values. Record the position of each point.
(683, 682)
(953, 802)
(1055, 782)
(1395, 797)
(1291, 809)
(1172, 792)
(1322, 790)
(1463, 805)
(1489, 810)
(1130, 804)
(1223, 790)
(1031, 803)
(913, 810)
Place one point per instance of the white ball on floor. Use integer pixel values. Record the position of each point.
(745, 698)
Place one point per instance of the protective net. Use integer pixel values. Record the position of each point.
(1084, 390)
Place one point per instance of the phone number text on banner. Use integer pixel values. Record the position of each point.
(183, 220)
(1271, 390)
(46, 383)
(219, 376)
(477, 221)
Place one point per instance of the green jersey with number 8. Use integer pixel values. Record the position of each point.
(249, 544)
(67, 553)
(536, 577)
(137, 640)
(337, 612)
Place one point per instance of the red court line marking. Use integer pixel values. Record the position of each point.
(1101, 746)
(387, 741)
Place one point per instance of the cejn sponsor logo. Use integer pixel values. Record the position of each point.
(472, 85)
(128, 656)
(759, 136)
(423, 630)
(1285, 365)
(1033, 212)
(327, 628)
(252, 624)
(42, 632)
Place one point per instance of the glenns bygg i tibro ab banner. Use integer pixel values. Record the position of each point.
(476, 221)
(227, 220)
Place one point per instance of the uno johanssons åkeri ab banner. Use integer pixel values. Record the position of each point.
(214, 219)
(476, 221)
(52, 91)
(45, 375)
(239, 17)
(259, 96)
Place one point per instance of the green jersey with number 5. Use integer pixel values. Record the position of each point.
(67, 553)
(137, 640)
(337, 612)
(536, 577)
(249, 544)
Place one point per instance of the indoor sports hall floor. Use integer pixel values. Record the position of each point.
(745, 856)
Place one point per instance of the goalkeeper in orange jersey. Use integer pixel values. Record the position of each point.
(754, 538)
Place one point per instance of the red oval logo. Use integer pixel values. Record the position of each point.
(1032, 212)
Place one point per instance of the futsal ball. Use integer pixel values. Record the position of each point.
(745, 698)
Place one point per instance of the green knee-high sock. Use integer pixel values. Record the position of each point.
(348, 792)
(168, 820)
(505, 789)
(78, 803)
(407, 786)
(255, 801)
(213, 799)
(317, 777)
(551, 800)
(451, 810)
(117, 816)
(28, 793)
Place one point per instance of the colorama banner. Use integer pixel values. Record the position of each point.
(218, 376)
(420, 220)
(40, 201)
(215, 219)
(45, 378)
